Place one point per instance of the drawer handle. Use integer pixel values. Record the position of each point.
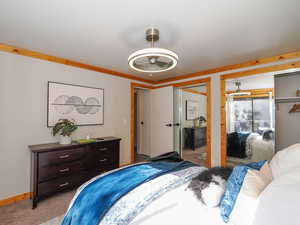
(64, 184)
(102, 160)
(63, 156)
(103, 149)
(64, 170)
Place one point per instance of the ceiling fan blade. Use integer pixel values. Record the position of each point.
(145, 66)
(162, 64)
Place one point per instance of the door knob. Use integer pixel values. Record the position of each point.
(169, 125)
(176, 124)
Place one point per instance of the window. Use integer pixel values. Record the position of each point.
(242, 117)
(251, 114)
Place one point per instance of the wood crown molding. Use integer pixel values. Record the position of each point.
(42, 56)
(256, 62)
(194, 92)
(266, 69)
(252, 96)
(16, 198)
(254, 91)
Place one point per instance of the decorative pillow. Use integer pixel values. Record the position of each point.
(247, 201)
(279, 202)
(285, 160)
(209, 186)
(234, 184)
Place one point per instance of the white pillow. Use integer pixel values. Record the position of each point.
(285, 160)
(279, 202)
(248, 198)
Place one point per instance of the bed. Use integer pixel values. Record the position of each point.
(250, 147)
(165, 199)
(155, 201)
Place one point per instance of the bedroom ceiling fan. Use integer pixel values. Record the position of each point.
(153, 60)
(238, 91)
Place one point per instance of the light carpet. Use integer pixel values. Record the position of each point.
(21, 213)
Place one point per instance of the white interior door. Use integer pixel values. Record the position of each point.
(161, 121)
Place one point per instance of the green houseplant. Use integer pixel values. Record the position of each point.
(64, 128)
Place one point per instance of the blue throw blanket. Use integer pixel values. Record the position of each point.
(97, 197)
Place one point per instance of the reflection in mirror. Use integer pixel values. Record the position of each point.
(193, 124)
(250, 111)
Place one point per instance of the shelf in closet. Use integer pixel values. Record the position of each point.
(287, 100)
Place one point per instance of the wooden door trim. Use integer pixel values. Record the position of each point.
(132, 106)
(207, 82)
(223, 79)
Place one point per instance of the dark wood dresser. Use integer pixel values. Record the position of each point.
(56, 168)
(194, 137)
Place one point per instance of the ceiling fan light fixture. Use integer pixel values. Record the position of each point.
(153, 60)
(238, 91)
(151, 53)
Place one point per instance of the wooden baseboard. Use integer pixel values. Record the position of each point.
(16, 198)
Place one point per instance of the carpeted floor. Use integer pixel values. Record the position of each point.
(198, 156)
(21, 213)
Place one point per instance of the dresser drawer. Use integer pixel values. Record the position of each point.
(59, 184)
(49, 158)
(104, 157)
(55, 171)
(104, 147)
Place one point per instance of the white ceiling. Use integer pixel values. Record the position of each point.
(265, 80)
(205, 34)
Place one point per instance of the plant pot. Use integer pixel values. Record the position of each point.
(65, 140)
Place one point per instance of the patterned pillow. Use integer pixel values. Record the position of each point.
(247, 201)
(234, 184)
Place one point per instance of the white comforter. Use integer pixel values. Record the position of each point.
(178, 206)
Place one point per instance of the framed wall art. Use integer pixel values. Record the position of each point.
(192, 110)
(84, 105)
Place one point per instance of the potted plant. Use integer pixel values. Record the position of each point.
(64, 128)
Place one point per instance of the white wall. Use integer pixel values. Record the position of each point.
(23, 91)
(188, 96)
(23, 113)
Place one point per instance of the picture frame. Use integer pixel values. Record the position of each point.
(192, 109)
(83, 104)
